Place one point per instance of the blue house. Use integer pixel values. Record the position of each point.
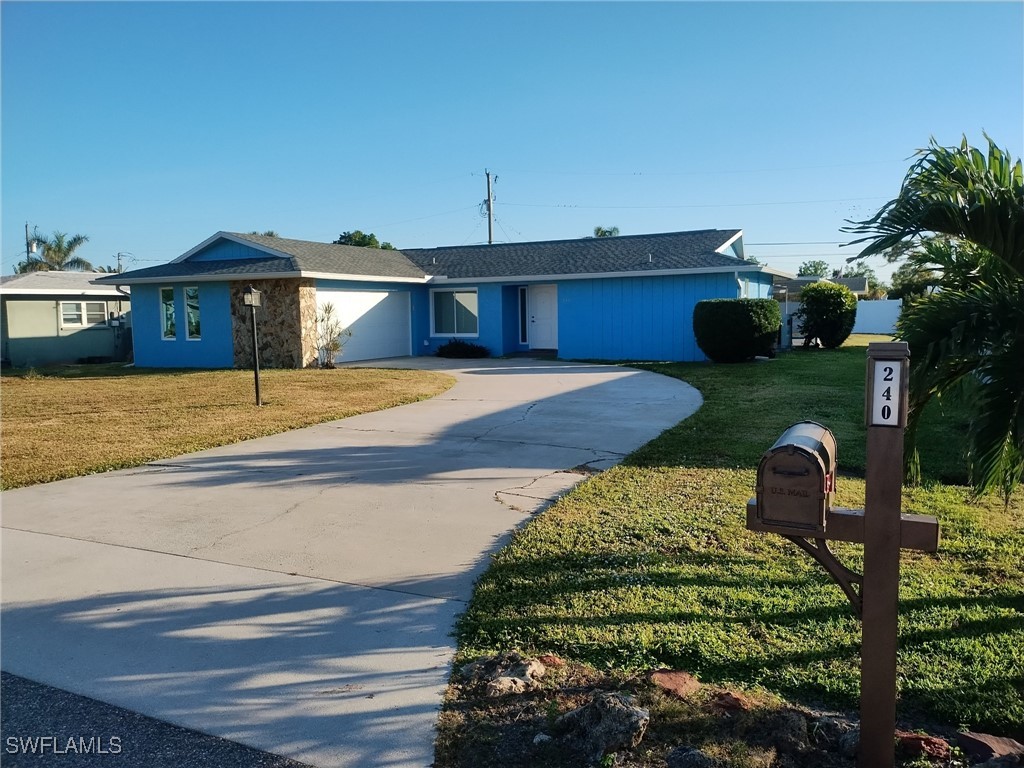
(614, 298)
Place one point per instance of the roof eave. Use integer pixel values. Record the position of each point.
(237, 278)
(725, 269)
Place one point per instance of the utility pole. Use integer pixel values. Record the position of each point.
(490, 210)
(29, 250)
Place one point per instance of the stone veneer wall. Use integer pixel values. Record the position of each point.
(285, 323)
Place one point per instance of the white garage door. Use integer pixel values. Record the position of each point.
(380, 322)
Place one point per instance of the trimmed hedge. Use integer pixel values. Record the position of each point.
(734, 330)
(457, 348)
(827, 312)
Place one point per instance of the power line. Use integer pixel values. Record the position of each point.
(689, 205)
(715, 171)
(808, 242)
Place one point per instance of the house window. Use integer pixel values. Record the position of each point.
(455, 313)
(82, 314)
(192, 310)
(167, 313)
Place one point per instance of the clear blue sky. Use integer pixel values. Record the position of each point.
(150, 126)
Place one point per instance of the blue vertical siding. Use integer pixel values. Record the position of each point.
(490, 326)
(213, 350)
(635, 318)
(760, 286)
(228, 249)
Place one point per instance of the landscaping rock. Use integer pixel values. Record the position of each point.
(922, 744)
(789, 731)
(827, 732)
(982, 746)
(503, 686)
(541, 738)
(678, 683)
(1006, 761)
(849, 743)
(688, 757)
(610, 722)
(507, 673)
(550, 660)
(729, 701)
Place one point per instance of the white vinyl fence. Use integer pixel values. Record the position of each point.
(877, 316)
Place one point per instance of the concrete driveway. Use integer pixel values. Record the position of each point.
(296, 593)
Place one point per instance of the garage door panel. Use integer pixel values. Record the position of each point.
(380, 322)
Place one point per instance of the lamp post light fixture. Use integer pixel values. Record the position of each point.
(253, 298)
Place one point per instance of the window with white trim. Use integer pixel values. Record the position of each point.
(454, 312)
(192, 311)
(167, 327)
(83, 314)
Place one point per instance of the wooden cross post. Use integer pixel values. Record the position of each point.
(886, 415)
(795, 482)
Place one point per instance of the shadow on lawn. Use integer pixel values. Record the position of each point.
(804, 648)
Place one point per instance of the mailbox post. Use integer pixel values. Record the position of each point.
(795, 485)
(253, 299)
(886, 415)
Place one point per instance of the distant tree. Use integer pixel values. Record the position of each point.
(827, 313)
(56, 253)
(876, 288)
(814, 268)
(105, 270)
(606, 231)
(363, 240)
(752, 259)
(912, 281)
(268, 233)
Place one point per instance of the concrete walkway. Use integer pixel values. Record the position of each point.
(296, 593)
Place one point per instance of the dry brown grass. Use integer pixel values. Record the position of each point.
(79, 420)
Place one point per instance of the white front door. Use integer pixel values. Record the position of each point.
(542, 301)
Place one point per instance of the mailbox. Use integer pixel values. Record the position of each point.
(796, 479)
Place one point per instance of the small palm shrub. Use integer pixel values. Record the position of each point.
(827, 312)
(458, 348)
(734, 330)
(330, 336)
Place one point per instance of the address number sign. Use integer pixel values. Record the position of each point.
(886, 394)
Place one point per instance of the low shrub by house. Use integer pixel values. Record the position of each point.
(734, 330)
(458, 348)
(827, 312)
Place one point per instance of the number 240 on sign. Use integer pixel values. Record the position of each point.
(885, 394)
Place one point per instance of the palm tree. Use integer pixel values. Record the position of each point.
(968, 335)
(600, 231)
(57, 253)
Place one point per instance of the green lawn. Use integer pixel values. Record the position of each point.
(650, 563)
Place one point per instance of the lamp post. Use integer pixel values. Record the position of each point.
(253, 298)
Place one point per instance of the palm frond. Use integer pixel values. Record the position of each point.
(956, 191)
(975, 334)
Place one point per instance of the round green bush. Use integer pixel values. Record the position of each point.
(827, 312)
(734, 330)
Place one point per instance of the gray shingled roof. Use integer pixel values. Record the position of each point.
(56, 282)
(669, 251)
(591, 255)
(229, 269)
(340, 259)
